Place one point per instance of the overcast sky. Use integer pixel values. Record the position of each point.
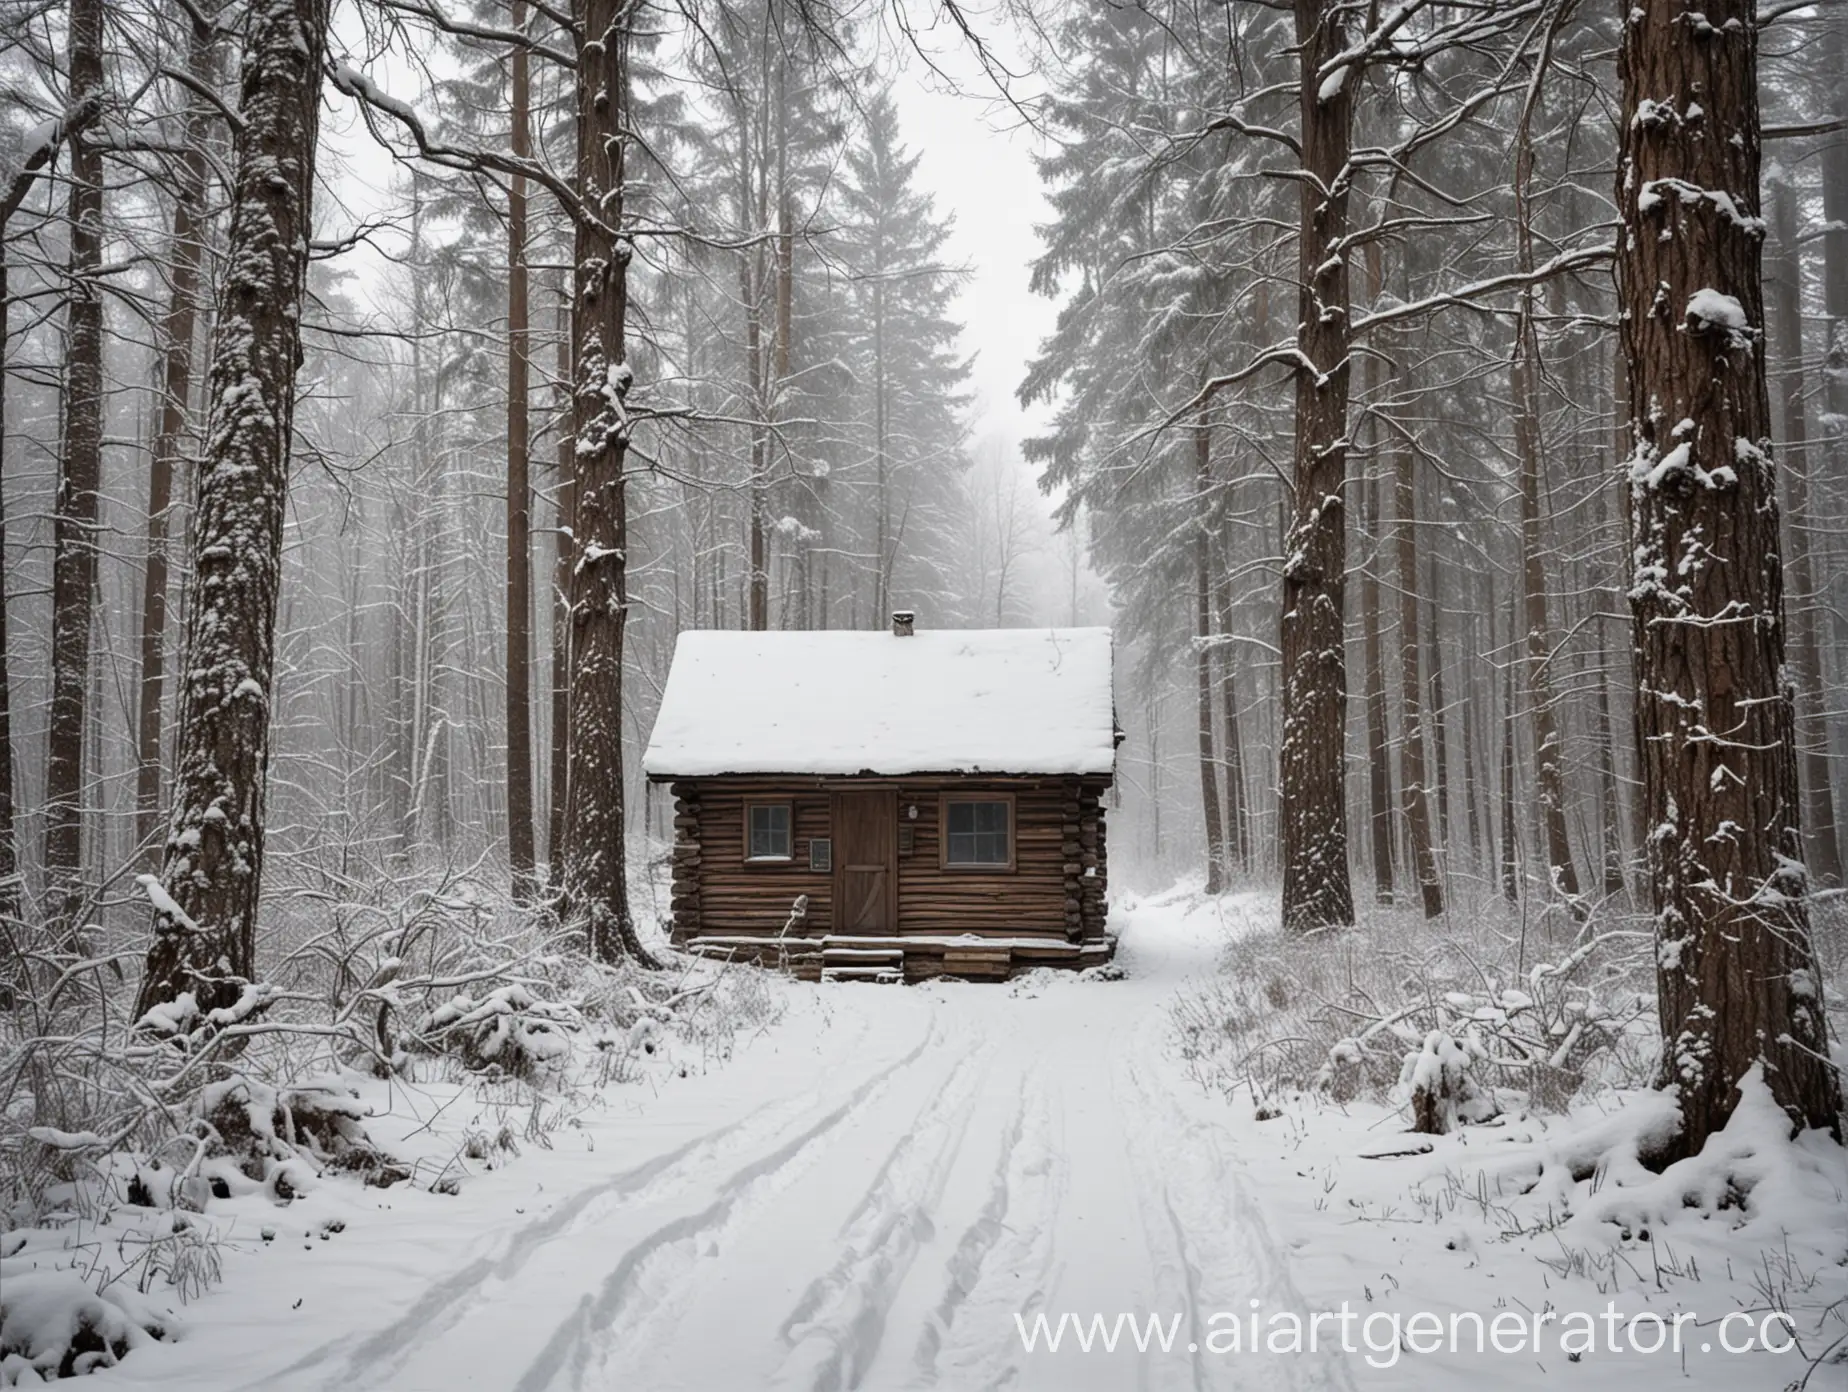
(978, 162)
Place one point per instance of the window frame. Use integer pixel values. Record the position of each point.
(997, 867)
(789, 811)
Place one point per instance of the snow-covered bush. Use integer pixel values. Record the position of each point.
(1531, 1013)
(52, 1325)
(507, 1028)
(282, 1138)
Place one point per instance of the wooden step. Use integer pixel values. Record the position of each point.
(850, 955)
(868, 973)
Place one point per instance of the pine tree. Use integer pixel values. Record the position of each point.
(1738, 983)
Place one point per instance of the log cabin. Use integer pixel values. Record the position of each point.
(890, 806)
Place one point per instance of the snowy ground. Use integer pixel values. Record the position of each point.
(868, 1195)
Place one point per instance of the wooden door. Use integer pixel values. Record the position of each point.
(865, 856)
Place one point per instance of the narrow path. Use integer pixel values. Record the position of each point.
(869, 1205)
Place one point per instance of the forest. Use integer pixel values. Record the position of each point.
(1444, 403)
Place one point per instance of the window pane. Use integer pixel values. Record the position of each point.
(769, 832)
(976, 833)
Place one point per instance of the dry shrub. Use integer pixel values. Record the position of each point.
(1532, 1010)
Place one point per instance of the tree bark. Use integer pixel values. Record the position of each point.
(1313, 833)
(1738, 985)
(80, 463)
(595, 849)
(177, 332)
(1786, 288)
(520, 851)
(204, 923)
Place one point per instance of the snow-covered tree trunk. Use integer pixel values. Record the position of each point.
(1738, 982)
(596, 882)
(1313, 839)
(177, 331)
(80, 464)
(210, 878)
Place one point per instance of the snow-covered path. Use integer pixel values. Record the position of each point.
(867, 1197)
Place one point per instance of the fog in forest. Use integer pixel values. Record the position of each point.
(1443, 406)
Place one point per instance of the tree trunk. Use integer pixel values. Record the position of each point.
(1610, 805)
(1472, 777)
(1379, 751)
(1510, 831)
(1738, 983)
(1203, 663)
(1440, 734)
(565, 493)
(204, 923)
(1238, 808)
(73, 566)
(520, 851)
(1786, 287)
(595, 851)
(176, 338)
(1549, 753)
(1313, 835)
(1411, 689)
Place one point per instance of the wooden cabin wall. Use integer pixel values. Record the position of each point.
(1056, 888)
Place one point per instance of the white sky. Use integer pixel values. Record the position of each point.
(977, 162)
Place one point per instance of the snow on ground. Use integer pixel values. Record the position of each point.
(871, 1191)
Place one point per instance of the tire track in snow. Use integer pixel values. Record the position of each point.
(647, 1273)
(1222, 1241)
(837, 1325)
(1002, 1261)
(445, 1304)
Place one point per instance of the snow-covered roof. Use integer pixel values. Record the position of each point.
(999, 700)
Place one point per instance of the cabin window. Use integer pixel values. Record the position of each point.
(978, 833)
(767, 834)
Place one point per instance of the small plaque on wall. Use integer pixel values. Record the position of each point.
(821, 853)
(907, 838)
